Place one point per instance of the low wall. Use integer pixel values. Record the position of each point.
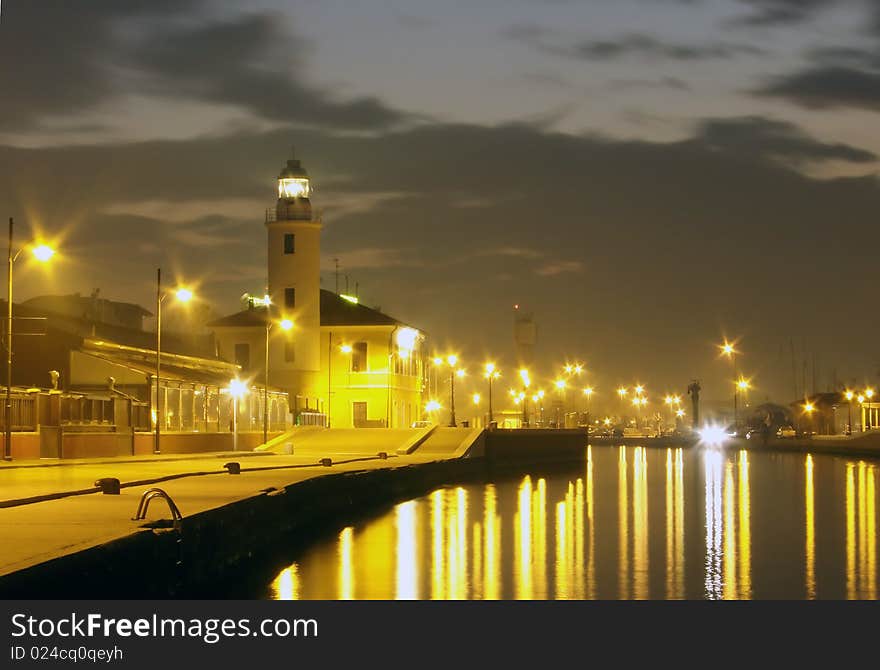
(198, 443)
(81, 444)
(535, 445)
(24, 445)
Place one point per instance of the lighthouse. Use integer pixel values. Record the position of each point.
(294, 255)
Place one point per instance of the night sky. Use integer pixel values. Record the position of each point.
(645, 176)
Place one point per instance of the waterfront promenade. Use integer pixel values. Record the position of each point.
(52, 514)
(52, 510)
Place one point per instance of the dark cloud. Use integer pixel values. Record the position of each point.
(637, 45)
(649, 47)
(827, 87)
(585, 230)
(58, 55)
(252, 63)
(72, 57)
(763, 138)
(780, 12)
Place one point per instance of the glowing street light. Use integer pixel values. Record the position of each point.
(452, 361)
(476, 398)
(588, 392)
(491, 373)
(729, 350)
(183, 295)
(849, 395)
(433, 406)
(237, 389)
(43, 254)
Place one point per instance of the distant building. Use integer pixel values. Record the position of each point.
(91, 309)
(89, 353)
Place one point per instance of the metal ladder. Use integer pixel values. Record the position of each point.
(144, 504)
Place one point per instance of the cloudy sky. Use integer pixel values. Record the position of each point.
(646, 176)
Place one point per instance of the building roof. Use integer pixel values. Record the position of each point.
(91, 307)
(252, 317)
(201, 346)
(335, 311)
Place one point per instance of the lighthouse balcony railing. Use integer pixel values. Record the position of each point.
(294, 212)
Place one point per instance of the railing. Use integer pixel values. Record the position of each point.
(311, 419)
(24, 413)
(294, 213)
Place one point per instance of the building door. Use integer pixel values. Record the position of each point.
(359, 414)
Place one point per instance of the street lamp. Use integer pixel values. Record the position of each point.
(491, 373)
(237, 389)
(526, 382)
(286, 325)
(589, 393)
(849, 397)
(42, 253)
(183, 295)
(452, 361)
(728, 350)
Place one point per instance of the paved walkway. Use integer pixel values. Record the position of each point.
(39, 531)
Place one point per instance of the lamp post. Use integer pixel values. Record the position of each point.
(42, 253)
(491, 374)
(849, 398)
(454, 372)
(728, 350)
(621, 394)
(589, 393)
(183, 295)
(560, 388)
(237, 389)
(286, 325)
(526, 382)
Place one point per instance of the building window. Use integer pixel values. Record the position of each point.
(289, 298)
(243, 355)
(289, 352)
(359, 357)
(289, 243)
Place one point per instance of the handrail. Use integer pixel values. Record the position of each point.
(144, 504)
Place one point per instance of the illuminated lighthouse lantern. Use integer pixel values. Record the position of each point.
(294, 252)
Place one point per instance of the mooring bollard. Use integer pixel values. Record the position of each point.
(109, 486)
(234, 467)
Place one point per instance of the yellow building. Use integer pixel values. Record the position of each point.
(341, 363)
(374, 366)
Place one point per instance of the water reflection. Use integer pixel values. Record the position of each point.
(616, 528)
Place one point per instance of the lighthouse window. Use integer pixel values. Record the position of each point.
(289, 244)
(290, 298)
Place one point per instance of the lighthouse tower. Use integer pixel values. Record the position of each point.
(294, 251)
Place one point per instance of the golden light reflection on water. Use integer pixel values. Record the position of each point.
(407, 560)
(745, 527)
(861, 531)
(810, 533)
(622, 526)
(712, 461)
(346, 564)
(285, 586)
(640, 524)
(542, 536)
(492, 552)
(591, 538)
